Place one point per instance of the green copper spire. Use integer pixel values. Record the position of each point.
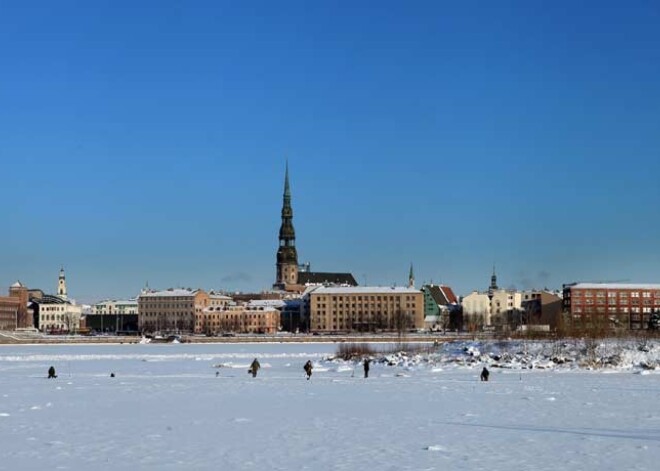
(411, 277)
(287, 188)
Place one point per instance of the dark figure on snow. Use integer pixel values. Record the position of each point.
(484, 374)
(365, 363)
(112, 375)
(254, 367)
(51, 372)
(308, 369)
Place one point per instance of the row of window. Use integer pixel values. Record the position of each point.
(164, 305)
(323, 312)
(52, 317)
(366, 298)
(613, 294)
(51, 308)
(614, 310)
(613, 301)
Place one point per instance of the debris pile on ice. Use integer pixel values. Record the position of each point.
(573, 354)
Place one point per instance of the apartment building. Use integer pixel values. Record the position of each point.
(9, 306)
(365, 308)
(612, 304)
(170, 310)
(246, 319)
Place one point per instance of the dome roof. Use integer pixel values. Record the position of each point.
(18, 284)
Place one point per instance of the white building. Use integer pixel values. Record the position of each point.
(57, 313)
(476, 308)
(114, 306)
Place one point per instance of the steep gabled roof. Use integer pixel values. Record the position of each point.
(449, 294)
(442, 295)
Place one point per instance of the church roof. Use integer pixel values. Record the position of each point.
(325, 278)
(18, 284)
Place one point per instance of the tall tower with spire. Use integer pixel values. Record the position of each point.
(61, 285)
(493, 285)
(287, 256)
(411, 277)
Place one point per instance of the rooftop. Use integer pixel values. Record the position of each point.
(365, 290)
(169, 292)
(650, 286)
(320, 278)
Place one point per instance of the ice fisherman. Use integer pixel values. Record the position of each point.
(484, 374)
(254, 367)
(308, 369)
(365, 364)
(51, 372)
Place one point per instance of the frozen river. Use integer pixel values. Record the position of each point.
(167, 409)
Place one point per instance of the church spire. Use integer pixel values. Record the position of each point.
(411, 277)
(493, 284)
(287, 257)
(287, 187)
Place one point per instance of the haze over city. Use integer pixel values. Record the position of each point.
(148, 143)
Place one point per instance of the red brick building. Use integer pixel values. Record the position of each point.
(613, 304)
(14, 308)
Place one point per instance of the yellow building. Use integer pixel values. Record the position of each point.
(366, 308)
(239, 319)
(170, 310)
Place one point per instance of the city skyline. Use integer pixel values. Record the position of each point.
(147, 144)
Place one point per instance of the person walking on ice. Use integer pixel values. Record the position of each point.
(365, 364)
(51, 372)
(308, 369)
(254, 367)
(484, 374)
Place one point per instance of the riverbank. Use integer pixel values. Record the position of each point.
(12, 338)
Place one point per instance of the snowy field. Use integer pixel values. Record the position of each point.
(167, 410)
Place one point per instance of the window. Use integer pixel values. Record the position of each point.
(634, 294)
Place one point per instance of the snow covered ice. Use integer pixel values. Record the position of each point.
(166, 409)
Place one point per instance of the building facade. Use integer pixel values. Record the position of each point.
(345, 309)
(238, 319)
(476, 309)
(542, 308)
(171, 310)
(23, 318)
(506, 308)
(108, 307)
(55, 315)
(9, 306)
(14, 312)
(439, 302)
(611, 304)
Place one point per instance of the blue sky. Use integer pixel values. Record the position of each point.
(148, 142)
